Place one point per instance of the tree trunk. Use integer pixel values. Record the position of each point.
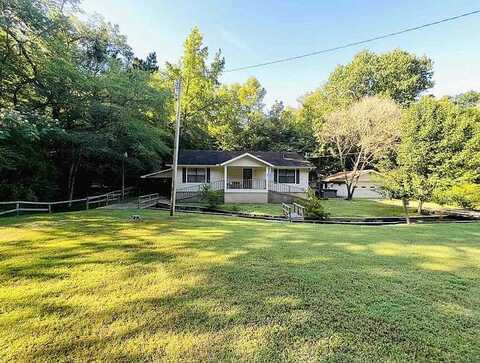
(72, 174)
(405, 209)
(420, 207)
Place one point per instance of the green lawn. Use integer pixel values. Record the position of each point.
(336, 207)
(364, 208)
(256, 209)
(93, 286)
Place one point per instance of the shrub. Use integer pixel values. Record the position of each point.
(465, 195)
(210, 197)
(313, 206)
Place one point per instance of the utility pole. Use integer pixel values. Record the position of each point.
(178, 92)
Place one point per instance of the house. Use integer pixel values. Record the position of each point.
(242, 177)
(369, 184)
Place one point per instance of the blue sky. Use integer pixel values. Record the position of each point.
(255, 31)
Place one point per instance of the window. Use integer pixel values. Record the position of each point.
(196, 175)
(286, 176)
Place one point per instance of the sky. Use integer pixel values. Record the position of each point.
(249, 32)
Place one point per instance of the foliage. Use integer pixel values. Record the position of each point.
(360, 136)
(80, 75)
(439, 148)
(313, 206)
(466, 195)
(398, 75)
(467, 99)
(26, 170)
(200, 83)
(212, 198)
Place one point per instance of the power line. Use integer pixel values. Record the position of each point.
(348, 45)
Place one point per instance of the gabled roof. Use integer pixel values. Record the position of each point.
(246, 155)
(214, 157)
(340, 176)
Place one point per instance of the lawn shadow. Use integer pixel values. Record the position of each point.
(231, 289)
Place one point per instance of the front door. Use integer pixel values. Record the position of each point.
(247, 178)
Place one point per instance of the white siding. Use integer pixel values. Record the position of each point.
(303, 179)
(246, 161)
(236, 172)
(216, 173)
(364, 189)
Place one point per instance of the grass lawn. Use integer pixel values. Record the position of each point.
(336, 207)
(257, 209)
(92, 286)
(365, 208)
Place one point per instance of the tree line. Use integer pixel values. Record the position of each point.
(75, 102)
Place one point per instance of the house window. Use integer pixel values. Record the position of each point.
(286, 176)
(196, 175)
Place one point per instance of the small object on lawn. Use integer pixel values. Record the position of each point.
(135, 217)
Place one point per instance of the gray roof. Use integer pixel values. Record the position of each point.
(214, 157)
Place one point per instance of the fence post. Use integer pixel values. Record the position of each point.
(49, 207)
(86, 204)
(18, 208)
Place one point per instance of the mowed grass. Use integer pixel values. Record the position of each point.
(92, 286)
(364, 208)
(357, 208)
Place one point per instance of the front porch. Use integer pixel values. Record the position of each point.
(246, 184)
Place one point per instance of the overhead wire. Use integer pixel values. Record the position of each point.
(352, 44)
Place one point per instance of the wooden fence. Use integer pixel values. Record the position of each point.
(18, 206)
(149, 200)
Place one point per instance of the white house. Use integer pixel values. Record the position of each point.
(243, 177)
(369, 184)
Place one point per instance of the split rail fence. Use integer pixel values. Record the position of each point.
(19, 206)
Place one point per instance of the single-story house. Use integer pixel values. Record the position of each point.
(242, 176)
(369, 184)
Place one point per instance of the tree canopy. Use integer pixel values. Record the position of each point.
(75, 99)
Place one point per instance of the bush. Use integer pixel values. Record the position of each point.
(210, 197)
(313, 206)
(465, 195)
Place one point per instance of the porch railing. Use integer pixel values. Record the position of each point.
(257, 184)
(286, 188)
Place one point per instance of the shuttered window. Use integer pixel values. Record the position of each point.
(286, 176)
(196, 175)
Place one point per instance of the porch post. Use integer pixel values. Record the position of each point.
(225, 178)
(266, 178)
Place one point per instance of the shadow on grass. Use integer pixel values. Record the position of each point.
(202, 288)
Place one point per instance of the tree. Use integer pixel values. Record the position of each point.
(439, 149)
(78, 74)
(200, 83)
(239, 107)
(398, 184)
(399, 75)
(467, 99)
(148, 65)
(361, 135)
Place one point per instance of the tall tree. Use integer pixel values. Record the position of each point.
(78, 74)
(467, 99)
(439, 147)
(399, 75)
(360, 136)
(240, 106)
(200, 83)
